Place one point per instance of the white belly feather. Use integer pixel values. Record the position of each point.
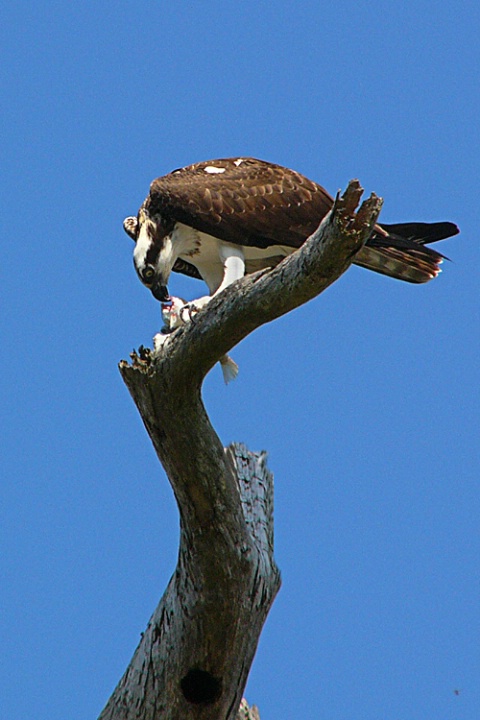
(210, 255)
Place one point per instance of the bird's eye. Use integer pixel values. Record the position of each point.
(148, 273)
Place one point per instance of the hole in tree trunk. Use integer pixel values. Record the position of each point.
(199, 686)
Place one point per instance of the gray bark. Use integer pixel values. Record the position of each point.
(193, 660)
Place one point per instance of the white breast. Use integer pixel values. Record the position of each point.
(204, 252)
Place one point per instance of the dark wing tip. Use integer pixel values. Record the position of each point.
(442, 230)
(422, 232)
(454, 229)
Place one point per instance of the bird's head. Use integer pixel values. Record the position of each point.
(154, 254)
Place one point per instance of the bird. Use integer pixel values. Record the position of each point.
(220, 219)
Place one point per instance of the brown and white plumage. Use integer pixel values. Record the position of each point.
(213, 218)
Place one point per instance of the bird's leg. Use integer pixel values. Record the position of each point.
(190, 309)
(233, 265)
(233, 262)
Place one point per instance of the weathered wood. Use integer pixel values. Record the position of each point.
(193, 660)
(202, 638)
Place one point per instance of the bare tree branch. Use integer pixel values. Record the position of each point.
(193, 660)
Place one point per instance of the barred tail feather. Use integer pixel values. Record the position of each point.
(414, 266)
(399, 250)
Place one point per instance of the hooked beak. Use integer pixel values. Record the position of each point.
(160, 293)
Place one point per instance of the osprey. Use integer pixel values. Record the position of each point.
(220, 219)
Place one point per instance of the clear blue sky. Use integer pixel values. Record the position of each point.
(366, 399)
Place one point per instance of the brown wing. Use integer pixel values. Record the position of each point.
(253, 202)
(186, 268)
(244, 201)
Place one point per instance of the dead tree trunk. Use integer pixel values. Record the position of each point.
(193, 660)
